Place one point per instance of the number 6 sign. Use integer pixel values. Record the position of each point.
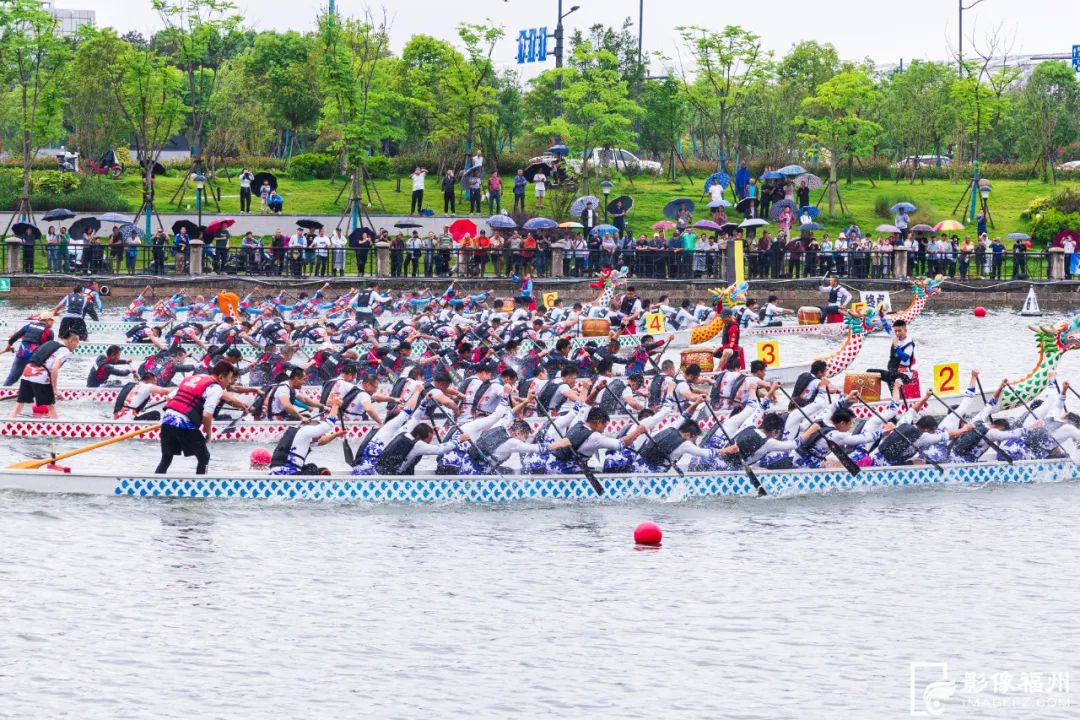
(947, 378)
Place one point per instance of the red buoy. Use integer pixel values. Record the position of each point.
(980, 311)
(648, 533)
(260, 459)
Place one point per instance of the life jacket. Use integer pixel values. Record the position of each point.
(139, 333)
(547, 394)
(393, 456)
(626, 306)
(718, 393)
(894, 450)
(363, 302)
(749, 441)
(656, 384)
(189, 399)
(34, 333)
(283, 453)
(268, 404)
(482, 450)
(100, 371)
(657, 451)
(395, 391)
(75, 304)
(43, 352)
(834, 295)
(161, 365)
(611, 398)
(577, 435)
(806, 450)
(121, 400)
(1040, 441)
(971, 444)
(801, 383)
(894, 359)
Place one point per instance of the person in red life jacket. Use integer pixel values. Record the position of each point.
(107, 366)
(29, 337)
(40, 377)
(730, 352)
(189, 417)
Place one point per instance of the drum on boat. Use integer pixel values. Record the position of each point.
(867, 384)
(809, 315)
(702, 357)
(595, 327)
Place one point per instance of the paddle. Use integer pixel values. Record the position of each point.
(1027, 407)
(346, 448)
(834, 447)
(483, 455)
(670, 463)
(911, 444)
(978, 381)
(584, 466)
(991, 443)
(33, 464)
(231, 427)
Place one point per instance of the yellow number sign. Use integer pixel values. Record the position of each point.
(947, 378)
(768, 352)
(550, 298)
(858, 307)
(654, 322)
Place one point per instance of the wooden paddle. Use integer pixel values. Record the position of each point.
(33, 464)
(597, 487)
(912, 445)
(834, 447)
(993, 446)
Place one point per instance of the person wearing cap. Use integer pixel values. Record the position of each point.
(29, 337)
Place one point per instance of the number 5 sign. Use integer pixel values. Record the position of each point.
(947, 378)
(768, 352)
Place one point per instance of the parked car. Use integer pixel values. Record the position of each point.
(925, 161)
(616, 158)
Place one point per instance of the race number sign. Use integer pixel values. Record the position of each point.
(550, 298)
(874, 298)
(655, 323)
(768, 352)
(858, 308)
(947, 378)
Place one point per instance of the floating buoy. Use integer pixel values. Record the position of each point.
(260, 459)
(648, 533)
(1031, 304)
(979, 311)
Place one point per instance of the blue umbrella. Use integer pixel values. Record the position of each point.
(719, 204)
(501, 222)
(58, 214)
(811, 227)
(579, 205)
(809, 209)
(112, 217)
(778, 207)
(902, 206)
(605, 229)
(540, 223)
(792, 170)
(127, 228)
(558, 150)
(671, 210)
(723, 177)
(772, 175)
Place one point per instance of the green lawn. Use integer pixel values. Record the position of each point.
(935, 198)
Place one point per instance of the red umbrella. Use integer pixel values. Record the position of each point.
(664, 225)
(218, 224)
(1060, 237)
(461, 228)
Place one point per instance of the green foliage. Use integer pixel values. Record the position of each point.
(56, 183)
(1048, 110)
(1050, 222)
(377, 166)
(311, 166)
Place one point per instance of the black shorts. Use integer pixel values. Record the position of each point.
(36, 393)
(176, 441)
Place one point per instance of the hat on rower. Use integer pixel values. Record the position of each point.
(46, 317)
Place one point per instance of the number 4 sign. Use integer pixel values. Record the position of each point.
(947, 378)
(654, 322)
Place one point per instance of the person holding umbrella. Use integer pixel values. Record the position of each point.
(28, 233)
(618, 216)
(588, 220)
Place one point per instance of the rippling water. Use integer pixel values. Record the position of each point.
(776, 608)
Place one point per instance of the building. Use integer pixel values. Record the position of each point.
(68, 22)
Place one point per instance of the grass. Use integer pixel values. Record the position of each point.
(935, 198)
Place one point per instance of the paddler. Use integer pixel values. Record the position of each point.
(290, 456)
(76, 306)
(41, 375)
(901, 354)
(108, 366)
(30, 337)
(196, 400)
(134, 396)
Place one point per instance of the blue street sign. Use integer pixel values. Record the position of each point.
(532, 45)
(1076, 58)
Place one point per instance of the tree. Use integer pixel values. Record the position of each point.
(95, 125)
(664, 114)
(917, 108)
(1047, 111)
(281, 66)
(32, 62)
(622, 43)
(470, 88)
(834, 118)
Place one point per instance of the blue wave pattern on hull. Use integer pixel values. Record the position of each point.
(643, 487)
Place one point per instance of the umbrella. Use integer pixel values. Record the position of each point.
(579, 205)
(921, 228)
(309, 224)
(811, 227)
(218, 224)
(948, 225)
(407, 224)
(191, 227)
(58, 214)
(558, 150)
(1060, 237)
(501, 222)
(778, 207)
(540, 223)
(536, 169)
(902, 206)
(1018, 236)
(355, 235)
(664, 225)
(752, 222)
(21, 229)
(671, 210)
(743, 206)
(810, 210)
(627, 204)
(571, 225)
(461, 228)
(721, 203)
(257, 181)
(812, 182)
(605, 229)
(127, 229)
(886, 228)
(113, 218)
(792, 170)
(159, 169)
(729, 227)
(80, 226)
(771, 175)
(723, 177)
(707, 225)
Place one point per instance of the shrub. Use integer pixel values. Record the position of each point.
(311, 166)
(56, 183)
(378, 166)
(1066, 201)
(1035, 207)
(1050, 222)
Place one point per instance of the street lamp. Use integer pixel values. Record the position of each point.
(605, 188)
(200, 183)
(984, 189)
(559, 45)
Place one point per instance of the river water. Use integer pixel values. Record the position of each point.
(812, 607)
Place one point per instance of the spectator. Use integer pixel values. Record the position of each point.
(742, 180)
(246, 178)
(1019, 261)
(264, 196)
(997, 250)
(277, 252)
(427, 245)
(716, 191)
(588, 219)
(65, 251)
(689, 250)
(448, 183)
(321, 245)
(52, 250)
(417, 202)
(134, 242)
(514, 253)
(362, 245)
(902, 221)
(382, 254)
(276, 203)
(494, 193)
(683, 218)
(445, 246)
(397, 255)
(157, 244)
(483, 248)
(519, 191)
(28, 246)
(472, 189)
(497, 246)
(309, 252)
(297, 246)
(528, 253)
(540, 184)
(116, 250)
(803, 195)
(221, 251)
(1068, 245)
(967, 248)
(413, 247)
(981, 224)
(337, 253)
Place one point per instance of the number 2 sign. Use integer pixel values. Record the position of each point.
(947, 378)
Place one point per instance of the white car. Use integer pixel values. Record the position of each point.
(617, 158)
(925, 161)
